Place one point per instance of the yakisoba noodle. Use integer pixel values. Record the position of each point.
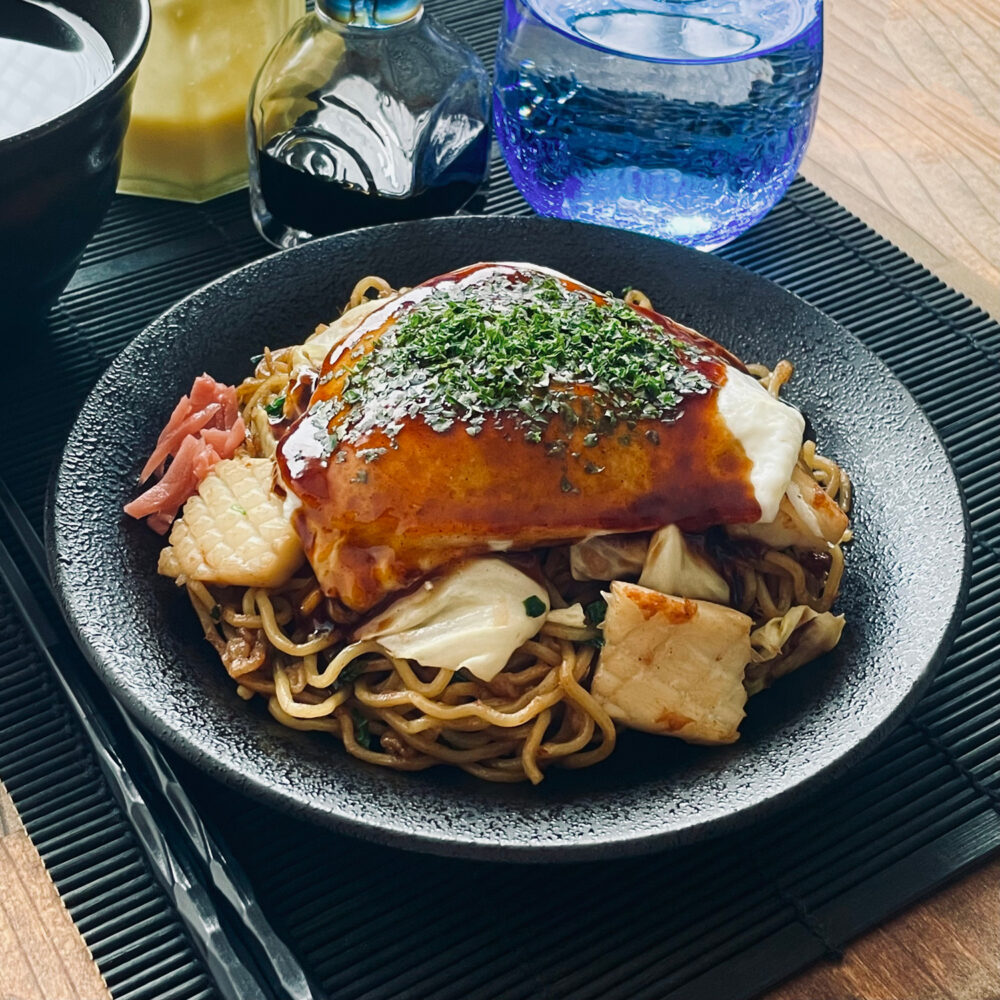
(538, 711)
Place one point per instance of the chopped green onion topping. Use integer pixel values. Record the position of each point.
(350, 674)
(361, 731)
(276, 408)
(238, 508)
(595, 612)
(534, 606)
(503, 350)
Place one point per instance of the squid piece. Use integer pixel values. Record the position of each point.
(234, 531)
(673, 666)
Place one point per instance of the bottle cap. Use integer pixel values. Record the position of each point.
(370, 13)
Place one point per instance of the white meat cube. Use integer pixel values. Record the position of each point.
(673, 666)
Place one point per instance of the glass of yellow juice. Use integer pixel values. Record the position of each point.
(187, 138)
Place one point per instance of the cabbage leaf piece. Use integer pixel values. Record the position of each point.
(608, 557)
(474, 616)
(673, 666)
(673, 566)
(571, 617)
(318, 345)
(783, 644)
(808, 518)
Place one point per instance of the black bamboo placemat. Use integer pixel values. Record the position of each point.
(717, 921)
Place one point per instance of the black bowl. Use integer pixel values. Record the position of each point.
(57, 179)
(903, 586)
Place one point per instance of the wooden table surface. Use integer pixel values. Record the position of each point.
(908, 138)
(908, 132)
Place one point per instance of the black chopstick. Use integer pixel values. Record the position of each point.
(160, 803)
(172, 867)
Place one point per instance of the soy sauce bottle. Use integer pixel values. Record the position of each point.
(367, 111)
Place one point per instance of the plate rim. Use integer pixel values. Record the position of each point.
(580, 849)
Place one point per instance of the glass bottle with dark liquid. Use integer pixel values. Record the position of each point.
(366, 112)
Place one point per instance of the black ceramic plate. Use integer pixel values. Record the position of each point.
(904, 583)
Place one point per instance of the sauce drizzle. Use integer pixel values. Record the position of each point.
(574, 413)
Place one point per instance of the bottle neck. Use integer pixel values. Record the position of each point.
(371, 13)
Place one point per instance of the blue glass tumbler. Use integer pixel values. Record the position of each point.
(684, 119)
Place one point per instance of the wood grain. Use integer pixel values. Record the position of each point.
(947, 948)
(908, 131)
(42, 955)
